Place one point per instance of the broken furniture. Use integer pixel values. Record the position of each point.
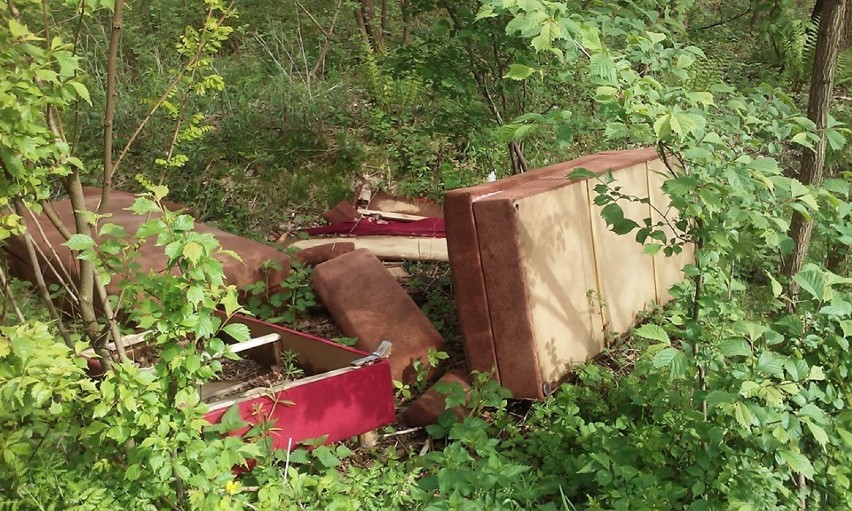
(540, 281)
(367, 303)
(345, 392)
(433, 403)
(56, 259)
(392, 228)
(386, 248)
(312, 256)
(342, 392)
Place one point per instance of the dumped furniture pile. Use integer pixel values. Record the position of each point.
(540, 284)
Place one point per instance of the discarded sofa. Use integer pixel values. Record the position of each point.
(540, 281)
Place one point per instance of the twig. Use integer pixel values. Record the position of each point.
(401, 432)
(66, 277)
(175, 81)
(39, 276)
(738, 16)
(311, 16)
(10, 295)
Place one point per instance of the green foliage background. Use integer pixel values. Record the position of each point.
(736, 396)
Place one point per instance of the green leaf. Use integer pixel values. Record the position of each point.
(193, 251)
(239, 331)
(662, 126)
(519, 72)
(770, 363)
(713, 138)
(602, 67)
(550, 31)
(743, 415)
(326, 458)
(142, 206)
(486, 11)
(82, 91)
(47, 75)
(838, 308)
(581, 173)
(80, 242)
(684, 61)
(521, 131)
(656, 37)
(797, 368)
(195, 294)
(230, 303)
(836, 140)
(183, 223)
(652, 332)
(749, 388)
(818, 433)
(159, 191)
(590, 39)
(672, 358)
(614, 217)
(797, 462)
(802, 140)
(231, 420)
(776, 286)
(17, 30)
(735, 348)
(816, 374)
(703, 98)
(811, 280)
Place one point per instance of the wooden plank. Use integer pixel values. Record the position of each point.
(391, 248)
(401, 217)
(254, 343)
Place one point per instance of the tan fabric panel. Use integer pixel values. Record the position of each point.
(668, 270)
(625, 273)
(558, 264)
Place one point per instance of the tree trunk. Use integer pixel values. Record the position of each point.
(385, 32)
(365, 15)
(831, 29)
(406, 21)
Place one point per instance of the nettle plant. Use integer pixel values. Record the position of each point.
(139, 433)
(285, 303)
(762, 399)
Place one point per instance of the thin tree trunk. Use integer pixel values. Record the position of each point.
(39, 276)
(365, 14)
(819, 103)
(86, 285)
(516, 153)
(406, 21)
(109, 111)
(385, 18)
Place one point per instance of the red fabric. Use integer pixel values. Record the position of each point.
(337, 406)
(428, 228)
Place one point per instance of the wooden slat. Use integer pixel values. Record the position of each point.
(391, 248)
